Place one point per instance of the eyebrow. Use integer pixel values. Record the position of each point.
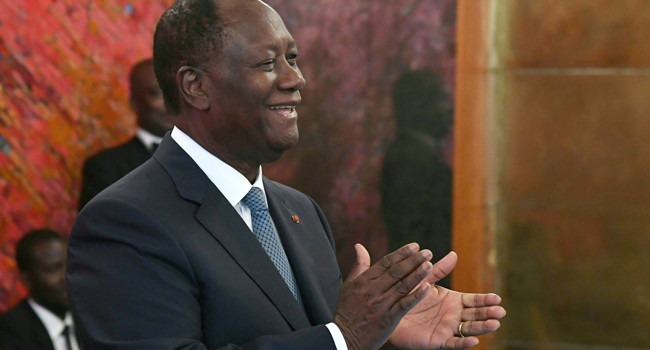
(273, 46)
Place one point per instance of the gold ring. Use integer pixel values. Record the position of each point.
(460, 330)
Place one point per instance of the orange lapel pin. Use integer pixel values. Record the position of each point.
(296, 219)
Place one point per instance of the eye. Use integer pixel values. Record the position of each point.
(267, 65)
(291, 58)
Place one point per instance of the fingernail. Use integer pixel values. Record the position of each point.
(427, 254)
(413, 247)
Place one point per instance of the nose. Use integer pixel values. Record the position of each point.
(291, 78)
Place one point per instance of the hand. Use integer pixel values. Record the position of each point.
(433, 323)
(373, 299)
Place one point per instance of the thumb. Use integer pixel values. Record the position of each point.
(442, 268)
(362, 264)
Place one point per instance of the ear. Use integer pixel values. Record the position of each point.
(192, 83)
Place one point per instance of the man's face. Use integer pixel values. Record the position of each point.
(255, 84)
(46, 278)
(148, 103)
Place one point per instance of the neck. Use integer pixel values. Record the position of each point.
(246, 164)
(58, 310)
(59, 313)
(248, 169)
(154, 131)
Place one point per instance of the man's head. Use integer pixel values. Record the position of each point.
(421, 102)
(228, 67)
(41, 256)
(147, 100)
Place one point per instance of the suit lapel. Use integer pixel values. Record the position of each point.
(38, 330)
(223, 222)
(291, 234)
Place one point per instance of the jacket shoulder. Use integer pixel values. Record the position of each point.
(109, 154)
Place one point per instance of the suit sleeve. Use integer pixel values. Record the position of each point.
(132, 287)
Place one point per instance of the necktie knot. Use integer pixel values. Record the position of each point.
(254, 200)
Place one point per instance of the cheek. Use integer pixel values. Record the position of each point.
(157, 103)
(282, 133)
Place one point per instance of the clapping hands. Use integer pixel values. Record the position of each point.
(397, 298)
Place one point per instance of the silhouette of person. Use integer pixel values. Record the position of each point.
(416, 183)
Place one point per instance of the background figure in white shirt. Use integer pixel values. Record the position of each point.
(43, 320)
(146, 101)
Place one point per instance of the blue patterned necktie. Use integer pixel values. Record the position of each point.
(264, 230)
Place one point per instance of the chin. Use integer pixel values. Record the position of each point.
(276, 150)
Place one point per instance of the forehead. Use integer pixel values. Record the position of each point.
(253, 24)
(48, 252)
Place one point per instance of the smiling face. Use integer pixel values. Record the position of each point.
(253, 87)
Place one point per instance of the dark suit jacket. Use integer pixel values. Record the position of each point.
(21, 329)
(416, 189)
(108, 166)
(161, 260)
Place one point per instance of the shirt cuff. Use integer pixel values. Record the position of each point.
(337, 336)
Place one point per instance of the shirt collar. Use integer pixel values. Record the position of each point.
(232, 184)
(148, 139)
(52, 322)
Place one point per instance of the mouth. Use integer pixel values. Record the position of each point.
(287, 111)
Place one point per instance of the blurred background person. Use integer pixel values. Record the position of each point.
(42, 321)
(416, 181)
(108, 166)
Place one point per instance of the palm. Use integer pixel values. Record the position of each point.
(433, 323)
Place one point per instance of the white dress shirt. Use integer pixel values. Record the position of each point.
(54, 326)
(234, 186)
(148, 139)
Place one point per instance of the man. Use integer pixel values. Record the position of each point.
(108, 166)
(195, 249)
(43, 320)
(419, 211)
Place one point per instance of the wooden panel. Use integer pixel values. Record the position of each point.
(579, 33)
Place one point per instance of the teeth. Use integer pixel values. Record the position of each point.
(281, 107)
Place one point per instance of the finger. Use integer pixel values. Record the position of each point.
(362, 264)
(443, 267)
(389, 260)
(410, 282)
(404, 268)
(474, 328)
(480, 300)
(457, 343)
(406, 303)
(482, 313)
